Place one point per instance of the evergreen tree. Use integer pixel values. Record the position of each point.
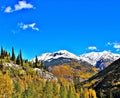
(13, 55)
(101, 94)
(18, 61)
(2, 52)
(21, 60)
(37, 63)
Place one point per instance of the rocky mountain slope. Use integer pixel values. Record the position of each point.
(94, 57)
(42, 73)
(64, 64)
(106, 82)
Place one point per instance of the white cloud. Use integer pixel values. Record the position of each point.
(92, 48)
(26, 26)
(21, 5)
(115, 45)
(8, 9)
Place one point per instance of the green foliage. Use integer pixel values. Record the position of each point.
(63, 92)
(18, 61)
(71, 91)
(21, 60)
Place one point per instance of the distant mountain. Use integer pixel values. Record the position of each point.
(64, 64)
(56, 55)
(106, 82)
(59, 58)
(100, 59)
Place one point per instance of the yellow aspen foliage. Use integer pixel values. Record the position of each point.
(92, 93)
(63, 92)
(86, 93)
(56, 90)
(6, 85)
(77, 95)
(63, 81)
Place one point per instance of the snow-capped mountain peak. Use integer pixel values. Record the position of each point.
(98, 59)
(56, 55)
(93, 57)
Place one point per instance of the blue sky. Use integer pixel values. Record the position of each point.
(79, 26)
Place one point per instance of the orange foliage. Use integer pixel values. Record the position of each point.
(62, 71)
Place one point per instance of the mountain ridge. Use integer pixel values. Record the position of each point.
(98, 59)
(106, 82)
(93, 57)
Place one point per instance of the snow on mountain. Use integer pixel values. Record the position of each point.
(56, 55)
(98, 59)
(94, 57)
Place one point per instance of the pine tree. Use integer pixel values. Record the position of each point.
(18, 61)
(2, 52)
(21, 60)
(13, 55)
(101, 94)
(37, 63)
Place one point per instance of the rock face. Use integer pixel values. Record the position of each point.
(11, 65)
(46, 75)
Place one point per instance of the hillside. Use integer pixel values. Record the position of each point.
(107, 82)
(23, 79)
(68, 71)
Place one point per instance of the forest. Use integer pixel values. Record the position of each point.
(22, 81)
